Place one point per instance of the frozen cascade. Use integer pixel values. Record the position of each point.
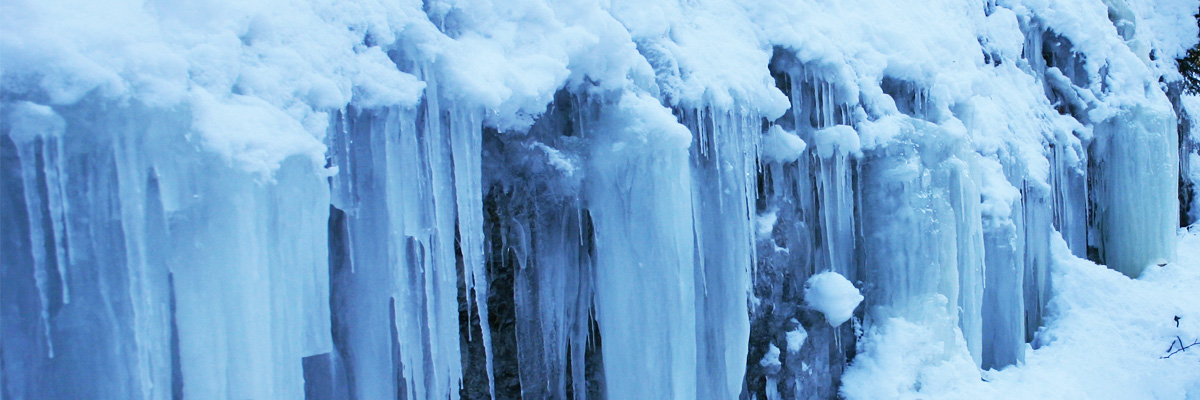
(1003, 323)
(540, 250)
(1136, 231)
(913, 260)
(813, 201)
(695, 273)
(399, 276)
(247, 287)
(641, 196)
(542, 200)
(724, 156)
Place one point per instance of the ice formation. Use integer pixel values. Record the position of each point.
(569, 199)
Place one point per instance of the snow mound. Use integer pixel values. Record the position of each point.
(833, 295)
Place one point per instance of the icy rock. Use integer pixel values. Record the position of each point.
(770, 361)
(833, 295)
(795, 339)
(764, 223)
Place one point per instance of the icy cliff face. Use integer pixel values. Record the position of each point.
(525, 199)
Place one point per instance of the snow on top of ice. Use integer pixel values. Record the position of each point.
(997, 195)
(927, 42)
(1001, 33)
(155, 53)
(306, 58)
(833, 295)
(1172, 28)
(781, 145)
(234, 128)
(717, 47)
(840, 139)
(27, 121)
(1116, 65)
(511, 56)
(639, 124)
(287, 58)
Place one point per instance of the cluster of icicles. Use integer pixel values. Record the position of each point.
(601, 254)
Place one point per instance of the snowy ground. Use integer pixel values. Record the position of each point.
(1106, 340)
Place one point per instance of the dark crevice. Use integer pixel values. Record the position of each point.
(176, 364)
(339, 291)
(397, 356)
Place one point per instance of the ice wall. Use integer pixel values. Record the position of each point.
(1128, 243)
(526, 199)
(168, 274)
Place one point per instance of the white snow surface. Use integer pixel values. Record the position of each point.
(1106, 339)
(833, 295)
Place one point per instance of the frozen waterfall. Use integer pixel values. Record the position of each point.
(568, 200)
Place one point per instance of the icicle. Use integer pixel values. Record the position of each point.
(640, 200)
(34, 125)
(965, 199)
(1003, 309)
(56, 202)
(440, 268)
(30, 166)
(466, 136)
